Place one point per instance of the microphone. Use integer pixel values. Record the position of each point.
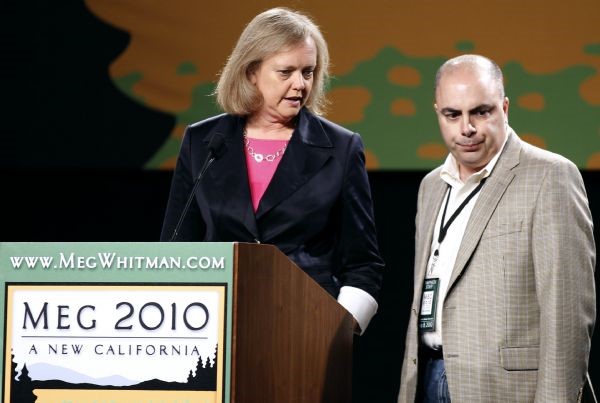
(216, 148)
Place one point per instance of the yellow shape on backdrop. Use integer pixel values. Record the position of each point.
(371, 160)
(403, 107)
(533, 101)
(590, 90)
(349, 104)
(594, 161)
(534, 139)
(404, 75)
(432, 151)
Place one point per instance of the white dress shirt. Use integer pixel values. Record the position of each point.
(448, 249)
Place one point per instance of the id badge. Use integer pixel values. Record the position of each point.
(429, 300)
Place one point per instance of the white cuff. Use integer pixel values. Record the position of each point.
(360, 304)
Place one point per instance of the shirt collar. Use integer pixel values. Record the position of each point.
(450, 174)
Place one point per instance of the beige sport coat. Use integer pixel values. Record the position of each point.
(520, 307)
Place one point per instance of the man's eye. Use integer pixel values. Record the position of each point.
(452, 115)
(284, 73)
(308, 74)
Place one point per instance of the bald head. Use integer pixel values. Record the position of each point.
(474, 63)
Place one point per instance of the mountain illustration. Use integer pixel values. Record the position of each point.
(202, 377)
(46, 372)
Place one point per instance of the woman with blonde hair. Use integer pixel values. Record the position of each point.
(284, 175)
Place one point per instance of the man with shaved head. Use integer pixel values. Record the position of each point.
(504, 299)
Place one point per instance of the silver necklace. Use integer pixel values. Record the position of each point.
(258, 157)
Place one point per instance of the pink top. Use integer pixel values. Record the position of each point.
(261, 173)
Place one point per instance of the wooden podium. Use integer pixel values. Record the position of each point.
(169, 322)
(292, 341)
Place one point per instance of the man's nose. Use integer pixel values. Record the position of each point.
(466, 127)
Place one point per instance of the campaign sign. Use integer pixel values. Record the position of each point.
(116, 322)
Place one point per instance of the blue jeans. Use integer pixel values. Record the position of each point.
(435, 384)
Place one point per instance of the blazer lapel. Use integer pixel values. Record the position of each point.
(490, 196)
(428, 218)
(308, 150)
(230, 175)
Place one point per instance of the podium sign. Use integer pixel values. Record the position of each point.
(116, 322)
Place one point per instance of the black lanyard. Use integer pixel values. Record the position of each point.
(444, 228)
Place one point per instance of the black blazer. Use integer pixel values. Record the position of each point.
(317, 208)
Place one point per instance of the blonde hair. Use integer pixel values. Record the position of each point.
(268, 33)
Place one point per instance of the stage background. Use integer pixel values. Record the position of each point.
(97, 94)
